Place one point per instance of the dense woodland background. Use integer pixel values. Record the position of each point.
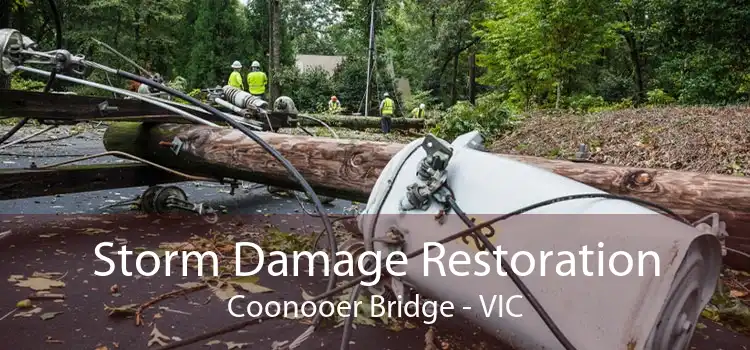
(473, 62)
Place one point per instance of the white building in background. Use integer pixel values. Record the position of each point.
(327, 63)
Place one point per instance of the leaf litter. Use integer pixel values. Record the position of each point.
(40, 283)
(49, 315)
(156, 337)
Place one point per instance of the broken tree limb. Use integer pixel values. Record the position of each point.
(362, 123)
(348, 169)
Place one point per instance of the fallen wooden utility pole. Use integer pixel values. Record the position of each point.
(362, 123)
(348, 169)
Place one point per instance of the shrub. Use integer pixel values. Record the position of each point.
(585, 103)
(490, 116)
(658, 97)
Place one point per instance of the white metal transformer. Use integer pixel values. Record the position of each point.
(656, 311)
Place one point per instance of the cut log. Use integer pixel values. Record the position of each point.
(348, 169)
(362, 123)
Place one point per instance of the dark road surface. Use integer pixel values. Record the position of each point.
(59, 234)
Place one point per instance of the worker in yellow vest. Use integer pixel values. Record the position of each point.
(386, 113)
(334, 105)
(418, 112)
(235, 79)
(257, 80)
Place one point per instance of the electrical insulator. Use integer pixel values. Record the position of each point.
(243, 99)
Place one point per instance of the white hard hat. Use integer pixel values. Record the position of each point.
(255, 64)
(421, 106)
(236, 64)
(385, 94)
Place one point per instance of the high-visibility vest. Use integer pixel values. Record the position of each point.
(417, 112)
(387, 108)
(256, 82)
(235, 80)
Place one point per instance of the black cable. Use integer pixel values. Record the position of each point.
(273, 152)
(349, 321)
(548, 321)
(48, 86)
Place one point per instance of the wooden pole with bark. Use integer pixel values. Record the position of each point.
(348, 169)
(362, 123)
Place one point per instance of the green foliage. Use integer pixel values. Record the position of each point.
(19, 83)
(586, 103)
(310, 89)
(349, 78)
(578, 54)
(490, 116)
(16, 5)
(421, 96)
(178, 83)
(658, 97)
(532, 46)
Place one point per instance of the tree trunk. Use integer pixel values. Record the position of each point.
(635, 58)
(472, 77)
(4, 23)
(454, 89)
(362, 123)
(349, 168)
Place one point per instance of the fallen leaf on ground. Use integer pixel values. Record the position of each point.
(103, 347)
(29, 313)
(248, 284)
(278, 344)
(90, 231)
(125, 310)
(157, 338)
(189, 285)
(49, 315)
(15, 278)
(232, 345)
(177, 246)
(305, 296)
(50, 275)
(50, 340)
(113, 289)
(46, 295)
(224, 291)
(737, 294)
(24, 304)
(164, 308)
(40, 283)
(213, 342)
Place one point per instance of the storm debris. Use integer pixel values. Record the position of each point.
(156, 337)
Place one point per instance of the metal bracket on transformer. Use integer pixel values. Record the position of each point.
(711, 224)
(176, 145)
(431, 175)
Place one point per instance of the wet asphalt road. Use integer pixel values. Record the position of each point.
(46, 236)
